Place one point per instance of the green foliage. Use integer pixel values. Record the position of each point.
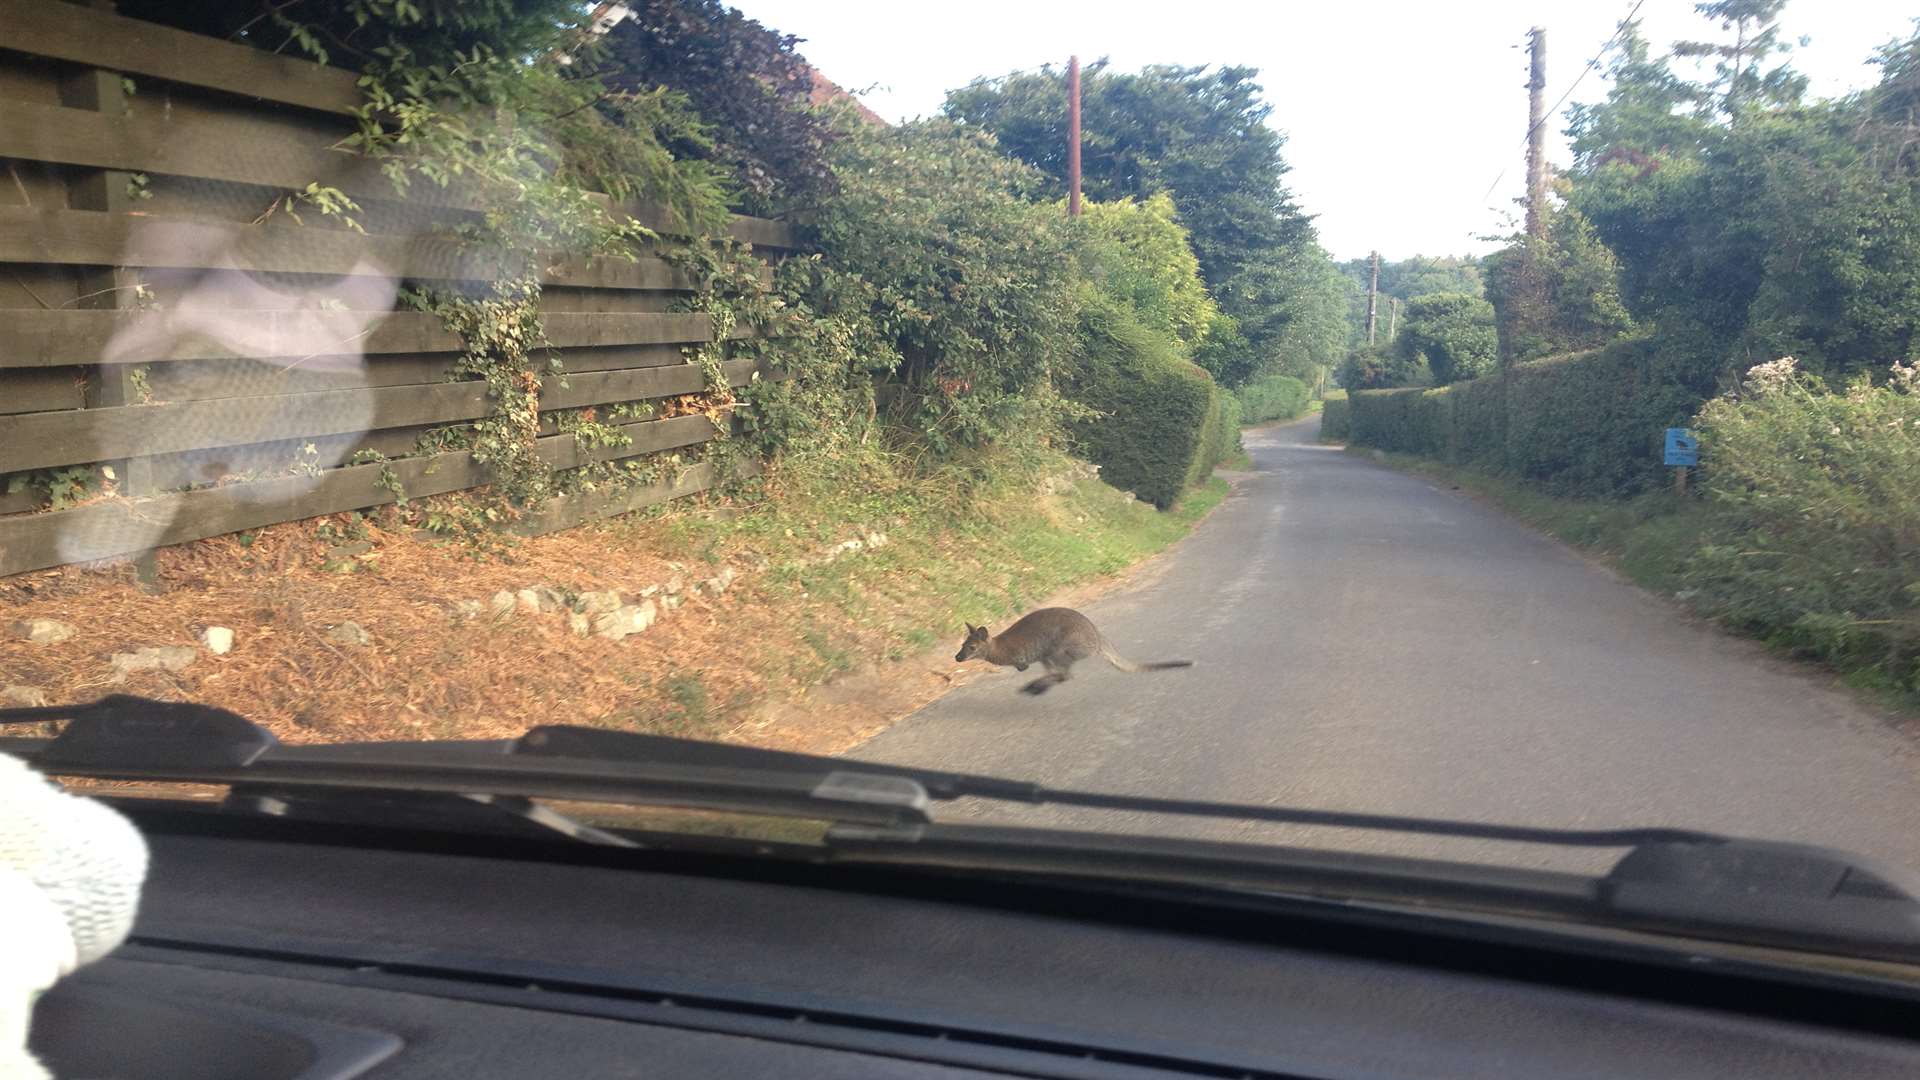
(1137, 253)
(749, 87)
(351, 34)
(1555, 295)
(1273, 397)
(1589, 424)
(1382, 367)
(501, 334)
(1402, 280)
(1815, 533)
(1200, 135)
(1453, 333)
(1397, 420)
(1747, 223)
(967, 281)
(1159, 417)
(63, 488)
(1225, 352)
(1336, 417)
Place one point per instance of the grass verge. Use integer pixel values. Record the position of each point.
(811, 597)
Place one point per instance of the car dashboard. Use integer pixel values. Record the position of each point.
(275, 950)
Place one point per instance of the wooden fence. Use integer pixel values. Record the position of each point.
(228, 369)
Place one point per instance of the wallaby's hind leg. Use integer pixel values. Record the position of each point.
(1057, 673)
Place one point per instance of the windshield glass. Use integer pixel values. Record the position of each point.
(1389, 416)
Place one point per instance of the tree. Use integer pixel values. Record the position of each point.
(1650, 114)
(1201, 136)
(1453, 333)
(1756, 225)
(1739, 82)
(1572, 304)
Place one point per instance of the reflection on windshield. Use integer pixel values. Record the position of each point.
(1182, 432)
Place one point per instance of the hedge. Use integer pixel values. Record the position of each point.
(1586, 424)
(1220, 439)
(1274, 397)
(1161, 418)
(1336, 417)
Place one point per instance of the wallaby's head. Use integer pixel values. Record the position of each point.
(976, 640)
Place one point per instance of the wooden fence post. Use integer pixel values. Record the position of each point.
(111, 288)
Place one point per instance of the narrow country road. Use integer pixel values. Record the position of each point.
(1367, 640)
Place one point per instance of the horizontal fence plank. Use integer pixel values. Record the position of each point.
(245, 150)
(198, 468)
(40, 390)
(73, 336)
(567, 511)
(121, 527)
(74, 437)
(89, 238)
(105, 40)
(238, 149)
(202, 380)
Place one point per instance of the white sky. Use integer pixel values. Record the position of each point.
(1399, 113)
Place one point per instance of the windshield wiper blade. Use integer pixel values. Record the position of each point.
(580, 742)
(122, 737)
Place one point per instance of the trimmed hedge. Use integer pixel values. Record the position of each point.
(1162, 419)
(1336, 417)
(1587, 424)
(1275, 397)
(1220, 439)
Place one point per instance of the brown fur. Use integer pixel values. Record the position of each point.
(1055, 638)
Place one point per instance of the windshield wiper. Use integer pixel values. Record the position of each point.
(123, 737)
(1675, 879)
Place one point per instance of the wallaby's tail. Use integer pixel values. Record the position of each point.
(1112, 656)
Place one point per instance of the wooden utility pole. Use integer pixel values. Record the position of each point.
(1393, 316)
(1073, 136)
(1373, 295)
(1537, 135)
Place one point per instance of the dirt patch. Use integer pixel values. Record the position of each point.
(430, 670)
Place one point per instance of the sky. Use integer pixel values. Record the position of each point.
(1404, 119)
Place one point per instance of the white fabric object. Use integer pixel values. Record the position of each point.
(70, 877)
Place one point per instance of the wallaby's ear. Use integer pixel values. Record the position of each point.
(972, 629)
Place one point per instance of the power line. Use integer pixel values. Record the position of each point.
(1584, 72)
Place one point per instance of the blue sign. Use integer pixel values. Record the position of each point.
(1683, 447)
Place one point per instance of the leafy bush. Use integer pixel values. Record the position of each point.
(1137, 253)
(1336, 417)
(1381, 367)
(1453, 332)
(1275, 397)
(1815, 504)
(1159, 415)
(933, 237)
(750, 88)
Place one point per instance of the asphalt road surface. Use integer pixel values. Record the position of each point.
(1367, 640)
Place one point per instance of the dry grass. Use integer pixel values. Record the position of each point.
(740, 665)
(428, 672)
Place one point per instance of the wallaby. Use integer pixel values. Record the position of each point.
(1056, 638)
